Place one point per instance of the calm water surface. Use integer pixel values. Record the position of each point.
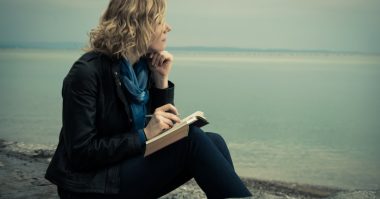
(307, 118)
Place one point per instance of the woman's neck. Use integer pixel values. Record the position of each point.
(132, 59)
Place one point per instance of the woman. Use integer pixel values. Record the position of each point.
(106, 95)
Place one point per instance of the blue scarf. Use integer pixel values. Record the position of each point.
(135, 79)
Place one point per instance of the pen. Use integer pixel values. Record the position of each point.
(149, 116)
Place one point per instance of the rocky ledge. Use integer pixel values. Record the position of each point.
(22, 168)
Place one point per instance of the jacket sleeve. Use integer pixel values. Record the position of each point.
(160, 97)
(85, 147)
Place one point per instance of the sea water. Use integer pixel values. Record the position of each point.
(296, 117)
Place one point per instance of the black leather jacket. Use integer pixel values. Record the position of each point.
(96, 131)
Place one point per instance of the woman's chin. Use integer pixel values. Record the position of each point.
(156, 49)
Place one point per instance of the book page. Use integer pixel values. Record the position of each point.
(188, 120)
(193, 117)
(174, 128)
(169, 139)
(177, 132)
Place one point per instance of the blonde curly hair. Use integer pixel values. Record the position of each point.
(127, 26)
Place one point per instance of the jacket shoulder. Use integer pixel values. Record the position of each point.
(84, 68)
(92, 61)
(90, 56)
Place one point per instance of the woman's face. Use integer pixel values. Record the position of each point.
(159, 38)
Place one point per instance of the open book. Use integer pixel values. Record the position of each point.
(177, 132)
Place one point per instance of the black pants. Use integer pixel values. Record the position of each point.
(202, 156)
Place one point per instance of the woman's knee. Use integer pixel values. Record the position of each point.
(195, 131)
(220, 143)
(216, 138)
(197, 135)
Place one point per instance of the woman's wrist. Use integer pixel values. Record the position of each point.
(161, 82)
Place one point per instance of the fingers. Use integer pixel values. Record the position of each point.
(168, 108)
(171, 117)
(154, 59)
(166, 116)
(165, 120)
(166, 123)
(159, 58)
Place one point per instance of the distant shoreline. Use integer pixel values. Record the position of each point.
(211, 54)
(22, 169)
(78, 46)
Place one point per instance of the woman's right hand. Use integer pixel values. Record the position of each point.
(163, 118)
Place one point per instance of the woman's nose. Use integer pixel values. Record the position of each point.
(168, 28)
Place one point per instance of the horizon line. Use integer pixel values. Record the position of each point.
(80, 45)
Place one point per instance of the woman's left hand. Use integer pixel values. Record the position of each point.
(160, 65)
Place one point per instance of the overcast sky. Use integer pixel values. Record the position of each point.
(340, 25)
